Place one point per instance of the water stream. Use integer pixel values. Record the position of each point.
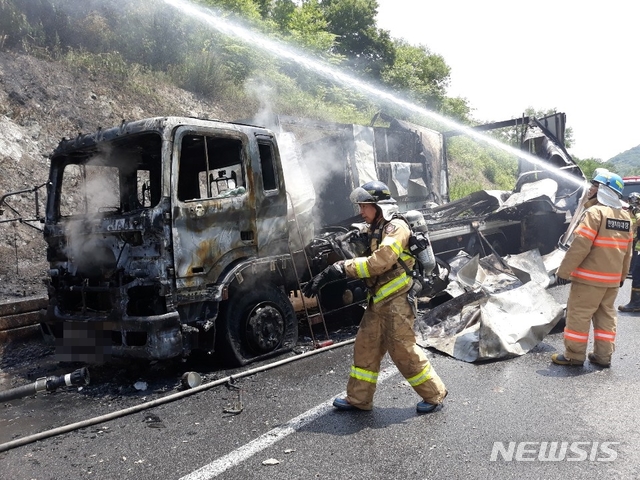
(332, 73)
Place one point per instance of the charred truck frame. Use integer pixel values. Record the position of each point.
(168, 235)
(160, 227)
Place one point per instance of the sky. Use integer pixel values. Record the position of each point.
(580, 58)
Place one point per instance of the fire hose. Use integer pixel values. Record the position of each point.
(169, 398)
(75, 379)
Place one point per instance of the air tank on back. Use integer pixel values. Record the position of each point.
(421, 246)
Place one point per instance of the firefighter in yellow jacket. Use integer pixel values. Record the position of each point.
(597, 264)
(387, 324)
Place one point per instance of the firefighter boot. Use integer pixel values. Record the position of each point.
(596, 361)
(426, 407)
(343, 404)
(560, 359)
(634, 303)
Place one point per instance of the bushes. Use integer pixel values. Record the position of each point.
(480, 167)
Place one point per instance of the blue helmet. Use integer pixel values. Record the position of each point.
(601, 176)
(615, 183)
(611, 180)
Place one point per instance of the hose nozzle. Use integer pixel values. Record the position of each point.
(74, 379)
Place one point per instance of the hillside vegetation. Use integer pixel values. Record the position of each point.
(627, 163)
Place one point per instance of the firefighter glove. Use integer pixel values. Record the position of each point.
(329, 274)
(562, 281)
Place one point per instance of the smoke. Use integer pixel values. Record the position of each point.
(147, 33)
(264, 93)
(301, 196)
(315, 160)
(89, 191)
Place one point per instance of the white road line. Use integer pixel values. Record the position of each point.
(239, 455)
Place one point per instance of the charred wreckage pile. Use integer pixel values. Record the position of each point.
(168, 235)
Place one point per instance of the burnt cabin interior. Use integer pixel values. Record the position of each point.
(218, 157)
(132, 168)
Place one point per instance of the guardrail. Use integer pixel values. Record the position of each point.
(20, 319)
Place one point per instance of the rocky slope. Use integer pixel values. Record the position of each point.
(41, 102)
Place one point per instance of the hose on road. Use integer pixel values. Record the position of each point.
(169, 398)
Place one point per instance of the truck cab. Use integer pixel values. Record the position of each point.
(166, 235)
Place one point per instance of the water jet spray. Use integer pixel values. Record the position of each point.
(331, 73)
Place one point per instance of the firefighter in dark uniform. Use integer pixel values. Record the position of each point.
(634, 302)
(387, 324)
(596, 264)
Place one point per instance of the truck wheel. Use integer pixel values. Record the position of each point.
(256, 322)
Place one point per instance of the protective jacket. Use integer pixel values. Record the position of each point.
(602, 243)
(382, 273)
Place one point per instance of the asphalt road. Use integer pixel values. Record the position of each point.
(287, 420)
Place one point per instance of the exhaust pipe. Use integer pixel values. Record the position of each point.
(75, 379)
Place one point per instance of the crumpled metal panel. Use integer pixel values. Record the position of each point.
(512, 323)
(501, 317)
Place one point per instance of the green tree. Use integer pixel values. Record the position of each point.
(281, 13)
(264, 7)
(456, 108)
(627, 163)
(368, 49)
(13, 24)
(307, 26)
(417, 71)
(247, 9)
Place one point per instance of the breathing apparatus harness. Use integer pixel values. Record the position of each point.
(425, 269)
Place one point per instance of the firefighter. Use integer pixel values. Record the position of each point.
(634, 303)
(596, 264)
(387, 324)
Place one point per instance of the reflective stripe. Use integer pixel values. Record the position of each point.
(576, 336)
(586, 232)
(604, 336)
(606, 242)
(362, 269)
(364, 375)
(393, 244)
(404, 256)
(422, 377)
(612, 278)
(392, 287)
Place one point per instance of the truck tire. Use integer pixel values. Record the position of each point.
(256, 323)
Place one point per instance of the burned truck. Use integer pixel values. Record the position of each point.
(169, 235)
